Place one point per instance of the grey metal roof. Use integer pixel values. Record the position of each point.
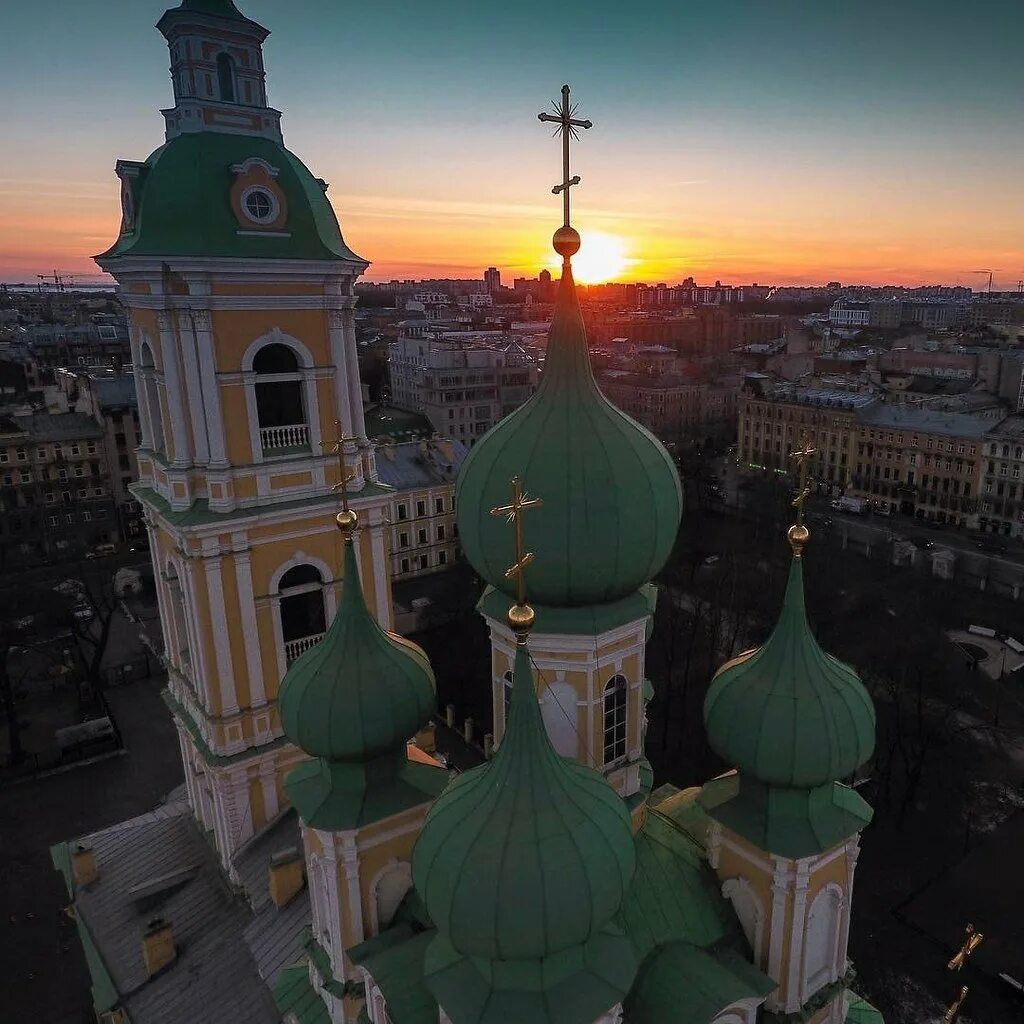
(66, 426)
(274, 936)
(214, 977)
(415, 464)
(113, 392)
(953, 424)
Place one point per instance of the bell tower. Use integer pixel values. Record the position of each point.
(239, 290)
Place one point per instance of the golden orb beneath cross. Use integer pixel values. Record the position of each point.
(798, 536)
(521, 618)
(566, 241)
(347, 520)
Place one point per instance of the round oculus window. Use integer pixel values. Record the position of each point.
(260, 205)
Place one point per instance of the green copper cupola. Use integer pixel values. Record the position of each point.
(793, 720)
(523, 864)
(613, 495)
(352, 703)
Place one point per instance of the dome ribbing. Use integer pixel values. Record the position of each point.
(527, 856)
(788, 714)
(612, 495)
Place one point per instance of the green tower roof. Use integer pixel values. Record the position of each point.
(522, 864)
(183, 207)
(612, 500)
(788, 714)
(352, 702)
(217, 8)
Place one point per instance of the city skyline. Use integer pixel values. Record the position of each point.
(786, 147)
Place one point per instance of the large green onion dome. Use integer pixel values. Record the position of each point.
(353, 702)
(611, 493)
(787, 714)
(523, 863)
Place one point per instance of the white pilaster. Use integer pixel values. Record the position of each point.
(250, 628)
(196, 398)
(794, 997)
(173, 387)
(203, 329)
(339, 355)
(221, 635)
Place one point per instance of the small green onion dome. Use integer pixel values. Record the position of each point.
(529, 855)
(360, 693)
(787, 714)
(611, 493)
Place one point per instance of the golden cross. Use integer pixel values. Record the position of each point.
(802, 457)
(972, 940)
(568, 128)
(953, 1013)
(347, 474)
(514, 514)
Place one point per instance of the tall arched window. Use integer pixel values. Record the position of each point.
(226, 77)
(177, 643)
(303, 618)
(389, 892)
(616, 695)
(821, 940)
(152, 418)
(279, 404)
(506, 700)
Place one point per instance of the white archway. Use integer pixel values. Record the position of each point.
(559, 710)
(387, 890)
(749, 911)
(821, 939)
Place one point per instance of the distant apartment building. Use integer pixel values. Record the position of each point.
(1001, 494)
(57, 345)
(492, 280)
(109, 399)
(673, 408)
(906, 460)
(423, 534)
(463, 382)
(55, 491)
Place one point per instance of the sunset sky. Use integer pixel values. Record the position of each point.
(781, 142)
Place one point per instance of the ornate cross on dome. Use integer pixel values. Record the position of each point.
(953, 1013)
(346, 517)
(568, 128)
(803, 457)
(514, 514)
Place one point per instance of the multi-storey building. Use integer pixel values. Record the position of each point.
(56, 491)
(904, 460)
(673, 408)
(109, 399)
(1001, 492)
(918, 463)
(464, 384)
(423, 536)
(56, 345)
(492, 279)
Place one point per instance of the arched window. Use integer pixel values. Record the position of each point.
(177, 643)
(748, 910)
(821, 940)
(507, 701)
(389, 892)
(303, 618)
(280, 409)
(152, 417)
(616, 694)
(226, 77)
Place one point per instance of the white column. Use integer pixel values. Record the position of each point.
(173, 387)
(196, 399)
(350, 865)
(355, 389)
(221, 635)
(381, 578)
(794, 986)
(250, 629)
(780, 890)
(268, 783)
(203, 329)
(336, 334)
(852, 853)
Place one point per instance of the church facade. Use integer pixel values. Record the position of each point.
(318, 866)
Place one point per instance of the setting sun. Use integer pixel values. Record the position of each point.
(601, 258)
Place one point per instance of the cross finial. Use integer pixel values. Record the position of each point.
(568, 128)
(953, 1013)
(972, 940)
(521, 616)
(803, 457)
(347, 518)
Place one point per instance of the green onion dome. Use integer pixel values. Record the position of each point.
(787, 714)
(528, 856)
(611, 493)
(362, 692)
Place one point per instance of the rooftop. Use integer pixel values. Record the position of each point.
(68, 426)
(953, 424)
(414, 464)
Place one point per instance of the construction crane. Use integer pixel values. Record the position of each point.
(986, 271)
(62, 280)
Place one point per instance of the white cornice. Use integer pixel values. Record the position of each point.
(124, 266)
